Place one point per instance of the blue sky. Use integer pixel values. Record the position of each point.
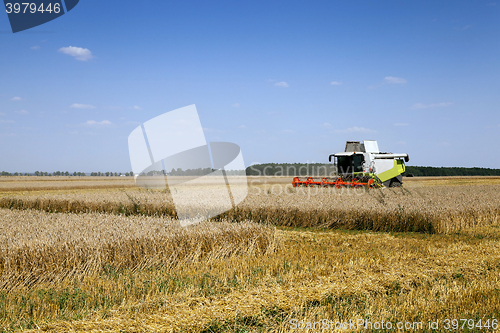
(288, 81)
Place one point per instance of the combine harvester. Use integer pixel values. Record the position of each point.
(362, 165)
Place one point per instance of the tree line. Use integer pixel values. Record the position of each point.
(323, 170)
(421, 171)
(280, 169)
(192, 172)
(66, 173)
(173, 172)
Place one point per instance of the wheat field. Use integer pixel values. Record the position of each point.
(417, 208)
(106, 259)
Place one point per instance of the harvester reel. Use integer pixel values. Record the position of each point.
(345, 180)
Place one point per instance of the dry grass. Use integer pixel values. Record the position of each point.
(109, 272)
(30, 183)
(428, 209)
(138, 202)
(312, 276)
(37, 247)
(451, 180)
(438, 209)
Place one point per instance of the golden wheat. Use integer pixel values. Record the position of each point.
(431, 209)
(313, 276)
(21, 184)
(37, 247)
(96, 271)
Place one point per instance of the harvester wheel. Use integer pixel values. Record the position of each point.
(396, 181)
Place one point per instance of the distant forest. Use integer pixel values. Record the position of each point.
(449, 171)
(320, 169)
(283, 169)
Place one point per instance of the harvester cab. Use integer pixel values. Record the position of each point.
(362, 164)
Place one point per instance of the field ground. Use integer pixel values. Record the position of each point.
(77, 255)
(60, 183)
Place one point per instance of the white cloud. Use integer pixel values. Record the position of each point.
(77, 52)
(82, 106)
(288, 131)
(242, 126)
(401, 124)
(2, 114)
(359, 129)
(93, 122)
(282, 84)
(236, 105)
(326, 125)
(394, 80)
(428, 106)
(356, 129)
(16, 99)
(136, 107)
(22, 112)
(36, 47)
(336, 83)
(464, 28)
(6, 121)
